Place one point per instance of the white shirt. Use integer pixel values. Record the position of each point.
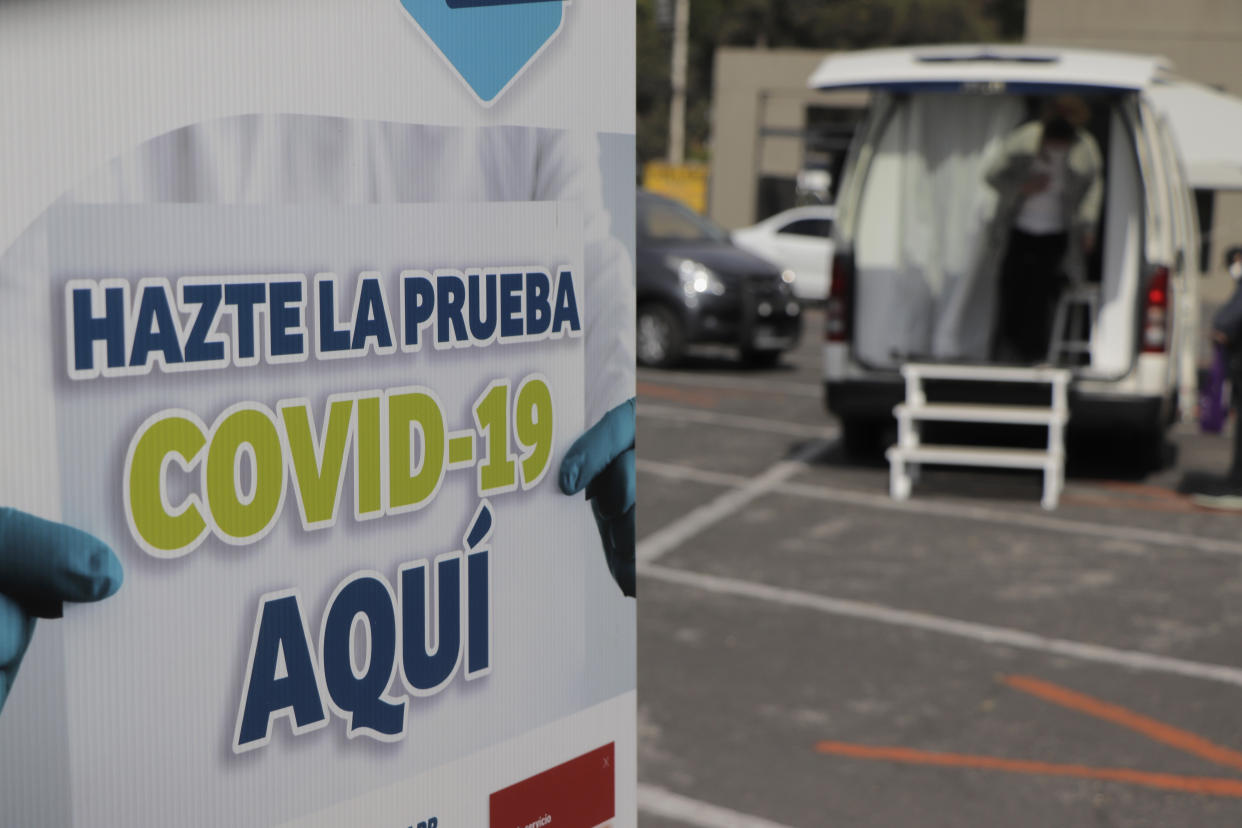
(1043, 213)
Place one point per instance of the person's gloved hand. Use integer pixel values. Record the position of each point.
(42, 565)
(602, 462)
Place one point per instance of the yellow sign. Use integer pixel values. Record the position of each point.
(686, 183)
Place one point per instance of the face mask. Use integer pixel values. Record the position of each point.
(1235, 270)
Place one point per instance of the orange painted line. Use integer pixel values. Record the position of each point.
(1205, 785)
(1155, 730)
(1172, 506)
(697, 398)
(1145, 489)
(714, 392)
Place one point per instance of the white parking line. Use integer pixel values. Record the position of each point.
(673, 471)
(666, 804)
(983, 514)
(743, 490)
(698, 415)
(690, 524)
(984, 633)
(959, 511)
(796, 389)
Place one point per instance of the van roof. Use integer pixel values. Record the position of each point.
(988, 67)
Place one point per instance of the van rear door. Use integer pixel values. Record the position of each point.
(1184, 313)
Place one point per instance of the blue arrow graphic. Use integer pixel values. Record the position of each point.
(457, 4)
(488, 42)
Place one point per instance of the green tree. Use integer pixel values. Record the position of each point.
(652, 92)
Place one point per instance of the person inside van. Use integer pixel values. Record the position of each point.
(1048, 176)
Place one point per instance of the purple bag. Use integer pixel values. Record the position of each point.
(1213, 408)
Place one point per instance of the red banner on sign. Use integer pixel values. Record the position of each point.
(580, 793)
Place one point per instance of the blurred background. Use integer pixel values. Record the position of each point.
(753, 130)
(814, 651)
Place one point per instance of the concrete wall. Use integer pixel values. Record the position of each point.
(757, 89)
(1203, 39)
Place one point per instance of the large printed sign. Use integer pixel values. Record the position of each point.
(312, 378)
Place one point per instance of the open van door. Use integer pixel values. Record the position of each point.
(1185, 268)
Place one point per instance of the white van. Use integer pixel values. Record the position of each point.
(909, 279)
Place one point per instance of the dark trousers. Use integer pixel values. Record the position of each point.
(1030, 285)
(1235, 381)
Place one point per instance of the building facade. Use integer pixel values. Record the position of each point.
(768, 127)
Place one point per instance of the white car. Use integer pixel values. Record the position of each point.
(799, 240)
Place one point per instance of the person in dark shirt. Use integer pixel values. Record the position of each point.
(1227, 330)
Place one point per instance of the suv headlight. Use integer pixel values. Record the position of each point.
(696, 277)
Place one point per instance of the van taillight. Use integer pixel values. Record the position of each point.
(1156, 313)
(838, 309)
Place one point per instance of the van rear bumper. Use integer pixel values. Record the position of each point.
(874, 399)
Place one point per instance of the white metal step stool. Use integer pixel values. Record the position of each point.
(905, 457)
(1077, 306)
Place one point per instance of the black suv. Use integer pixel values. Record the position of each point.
(695, 286)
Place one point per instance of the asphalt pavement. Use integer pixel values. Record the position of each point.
(812, 653)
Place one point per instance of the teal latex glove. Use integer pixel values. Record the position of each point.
(42, 565)
(602, 462)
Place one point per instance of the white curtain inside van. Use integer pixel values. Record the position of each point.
(925, 277)
(923, 288)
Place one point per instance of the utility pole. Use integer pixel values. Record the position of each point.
(677, 105)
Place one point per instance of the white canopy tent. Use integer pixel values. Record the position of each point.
(1208, 127)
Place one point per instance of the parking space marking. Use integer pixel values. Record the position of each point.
(1080, 703)
(666, 804)
(690, 415)
(1123, 494)
(672, 393)
(1179, 507)
(1204, 785)
(1005, 517)
(1157, 731)
(1145, 490)
(970, 630)
(674, 471)
(960, 511)
(669, 537)
(765, 386)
